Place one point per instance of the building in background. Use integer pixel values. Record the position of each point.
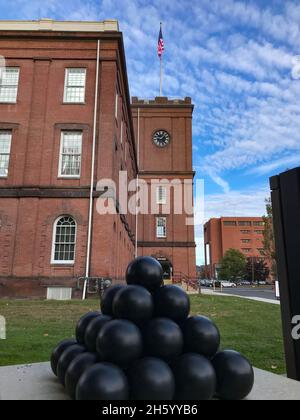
(245, 234)
(163, 131)
(53, 109)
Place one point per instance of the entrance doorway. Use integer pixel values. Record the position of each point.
(167, 268)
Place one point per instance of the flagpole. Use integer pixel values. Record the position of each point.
(161, 76)
(161, 68)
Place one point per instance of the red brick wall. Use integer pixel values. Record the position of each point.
(26, 223)
(171, 162)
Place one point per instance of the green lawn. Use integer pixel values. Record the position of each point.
(35, 327)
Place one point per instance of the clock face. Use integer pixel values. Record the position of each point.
(161, 138)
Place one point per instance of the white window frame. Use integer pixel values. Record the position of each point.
(158, 234)
(60, 174)
(161, 198)
(5, 132)
(62, 262)
(69, 69)
(117, 106)
(122, 131)
(7, 69)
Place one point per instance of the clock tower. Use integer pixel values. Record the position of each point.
(163, 132)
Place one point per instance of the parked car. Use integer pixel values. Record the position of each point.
(206, 283)
(245, 283)
(225, 284)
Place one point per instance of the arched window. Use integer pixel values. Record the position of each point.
(64, 240)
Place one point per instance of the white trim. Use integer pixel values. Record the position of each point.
(14, 86)
(60, 174)
(122, 131)
(9, 132)
(158, 236)
(117, 106)
(58, 262)
(66, 101)
(163, 200)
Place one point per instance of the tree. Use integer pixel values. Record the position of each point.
(233, 265)
(257, 270)
(269, 251)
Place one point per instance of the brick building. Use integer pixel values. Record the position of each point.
(242, 233)
(66, 123)
(166, 235)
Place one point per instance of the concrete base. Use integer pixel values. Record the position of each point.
(36, 382)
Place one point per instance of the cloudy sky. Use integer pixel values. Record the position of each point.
(238, 61)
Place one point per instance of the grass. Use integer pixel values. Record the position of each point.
(35, 327)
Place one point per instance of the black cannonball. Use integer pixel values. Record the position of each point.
(83, 324)
(58, 351)
(146, 272)
(133, 303)
(195, 378)
(103, 382)
(76, 369)
(201, 336)
(119, 342)
(93, 330)
(163, 339)
(108, 297)
(172, 302)
(66, 359)
(151, 379)
(235, 375)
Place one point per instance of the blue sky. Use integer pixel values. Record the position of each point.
(235, 59)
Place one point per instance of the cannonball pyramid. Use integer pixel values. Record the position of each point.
(144, 346)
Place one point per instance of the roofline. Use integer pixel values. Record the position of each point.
(58, 26)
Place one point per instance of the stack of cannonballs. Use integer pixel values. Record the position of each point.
(144, 346)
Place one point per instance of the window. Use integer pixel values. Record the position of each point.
(5, 145)
(64, 241)
(117, 105)
(161, 195)
(261, 251)
(229, 223)
(161, 227)
(122, 129)
(256, 224)
(9, 82)
(259, 232)
(245, 224)
(75, 86)
(246, 250)
(245, 232)
(70, 154)
(246, 241)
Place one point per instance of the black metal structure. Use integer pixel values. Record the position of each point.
(286, 214)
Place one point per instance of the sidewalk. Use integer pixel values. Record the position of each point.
(210, 292)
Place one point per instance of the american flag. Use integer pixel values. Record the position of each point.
(161, 44)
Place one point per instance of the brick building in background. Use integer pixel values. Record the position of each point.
(53, 110)
(164, 135)
(243, 233)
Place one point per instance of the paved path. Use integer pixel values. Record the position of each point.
(36, 382)
(234, 293)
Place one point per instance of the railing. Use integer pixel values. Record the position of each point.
(95, 285)
(181, 278)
